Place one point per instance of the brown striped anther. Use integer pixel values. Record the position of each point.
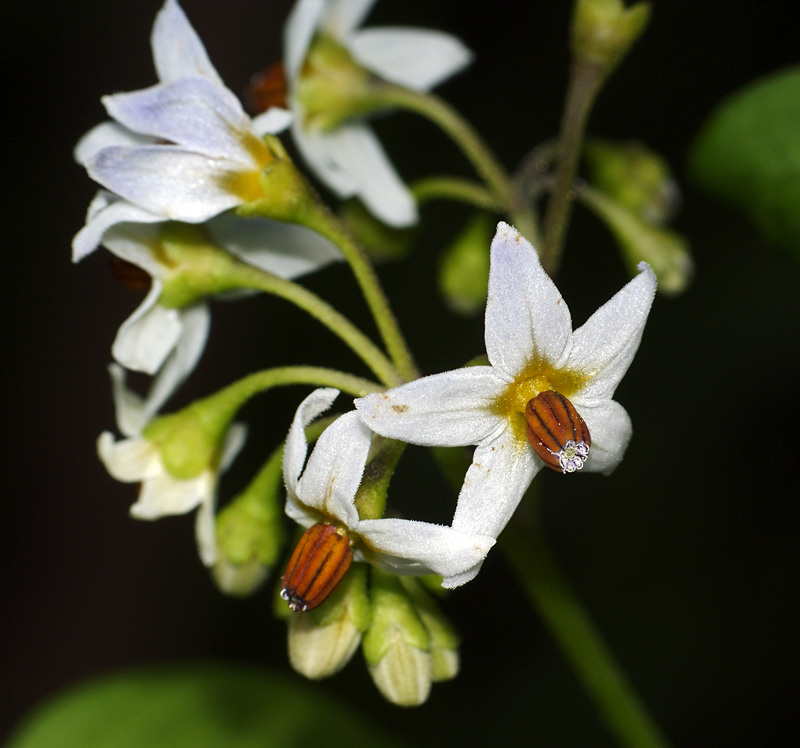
(557, 432)
(317, 565)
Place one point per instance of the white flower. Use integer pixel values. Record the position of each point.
(183, 149)
(325, 491)
(136, 459)
(531, 349)
(349, 158)
(155, 336)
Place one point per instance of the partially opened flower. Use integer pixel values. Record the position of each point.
(330, 66)
(183, 149)
(323, 491)
(177, 466)
(545, 398)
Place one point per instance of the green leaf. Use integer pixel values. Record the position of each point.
(748, 154)
(201, 705)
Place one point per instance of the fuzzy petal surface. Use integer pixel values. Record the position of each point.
(451, 409)
(177, 49)
(412, 547)
(104, 135)
(526, 317)
(610, 427)
(163, 495)
(608, 341)
(168, 180)
(416, 58)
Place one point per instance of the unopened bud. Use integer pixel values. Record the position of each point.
(464, 270)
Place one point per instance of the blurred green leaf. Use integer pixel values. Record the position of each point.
(748, 154)
(201, 705)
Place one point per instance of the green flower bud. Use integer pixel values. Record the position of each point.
(397, 645)
(636, 177)
(604, 30)
(667, 252)
(464, 268)
(250, 532)
(444, 639)
(322, 641)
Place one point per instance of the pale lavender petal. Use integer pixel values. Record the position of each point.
(148, 336)
(416, 58)
(177, 49)
(104, 135)
(334, 469)
(501, 471)
(607, 343)
(191, 112)
(129, 460)
(163, 495)
(296, 448)
(343, 16)
(610, 428)
(358, 152)
(300, 28)
(283, 249)
(320, 154)
(526, 318)
(451, 409)
(413, 547)
(133, 242)
(128, 406)
(232, 445)
(169, 180)
(103, 215)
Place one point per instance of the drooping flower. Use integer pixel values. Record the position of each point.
(323, 490)
(183, 149)
(140, 458)
(327, 59)
(532, 350)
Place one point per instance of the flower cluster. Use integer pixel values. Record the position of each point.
(206, 201)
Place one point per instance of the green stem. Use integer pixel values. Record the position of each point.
(454, 188)
(461, 132)
(248, 276)
(570, 625)
(325, 223)
(231, 398)
(586, 80)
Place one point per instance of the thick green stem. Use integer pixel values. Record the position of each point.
(570, 625)
(461, 132)
(248, 276)
(324, 222)
(586, 80)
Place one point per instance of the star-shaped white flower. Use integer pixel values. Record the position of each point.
(136, 459)
(183, 149)
(325, 492)
(349, 158)
(531, 349)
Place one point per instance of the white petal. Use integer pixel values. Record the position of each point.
(526, 318)
(334, 470)
(417, 58)
(320, 154)
(149, 335)
(128, 406)
(129, 460)
(205, 530)
(195, 321)
(413, 547)
(610, 428)
(273, 121)
(300, 28)
(451, 409)
(116, 211)
(177, 49)
(296, 448)
(190, 112)
(501, 471)
(163, 495)
(344, 16)
(232, 445)
(283, 249)
(168, 180)
(607, 343)
(134, 243)
(358, 152)
(105, 135)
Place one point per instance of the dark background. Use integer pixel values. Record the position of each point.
(686, 557)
